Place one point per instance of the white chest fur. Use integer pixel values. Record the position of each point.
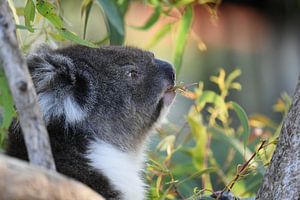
(122, 169)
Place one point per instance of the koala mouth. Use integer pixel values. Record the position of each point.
(169, 95)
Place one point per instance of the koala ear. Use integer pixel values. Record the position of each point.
(59, 86)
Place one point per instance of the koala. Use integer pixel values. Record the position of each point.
(100, 106)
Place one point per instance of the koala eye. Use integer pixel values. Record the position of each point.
(133, 74)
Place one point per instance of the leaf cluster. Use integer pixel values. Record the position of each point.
(217, 148)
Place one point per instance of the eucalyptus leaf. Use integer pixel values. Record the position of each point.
(114, 21)
(182, 35)
(72, 37)
(29, 14)
(244, 121)
(48, 10)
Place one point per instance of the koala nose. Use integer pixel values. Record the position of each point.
(167, 68)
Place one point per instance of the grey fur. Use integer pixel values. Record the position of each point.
(117, 91)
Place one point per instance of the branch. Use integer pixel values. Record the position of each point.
(282, 178)
(25, 98)
(20, 180)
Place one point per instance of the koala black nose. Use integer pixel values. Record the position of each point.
(167, 68)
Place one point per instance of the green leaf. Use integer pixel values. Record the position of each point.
(152, 20)
(208, 96)
(7, 107)
(182, 34)
(159, 35)
(29, 14)
(72, 37)
(47, 10)
(232, 76)
(86, 8)
(200, 136)
(123, 6)
(115, 38)
(114, 21)
(244, 121)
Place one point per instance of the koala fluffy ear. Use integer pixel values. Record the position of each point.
(59, 85)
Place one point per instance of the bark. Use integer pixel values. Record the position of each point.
(282, 178)
(25, 98)
(20, 180)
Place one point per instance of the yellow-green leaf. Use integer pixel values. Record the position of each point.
(47, 10)
(29, 14)
(114, 21)
(182, 35)
(212, 97)
(72, 37)
(244, 121)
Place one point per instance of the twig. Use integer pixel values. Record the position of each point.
(241, 170)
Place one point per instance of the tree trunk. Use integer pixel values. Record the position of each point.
(19, 181)
(25, 98)
(282, 178)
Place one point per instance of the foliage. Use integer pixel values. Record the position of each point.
(211, 152)
(7, 111)
(45, 18)
(218, 148)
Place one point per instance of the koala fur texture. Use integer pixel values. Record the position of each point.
(99, 105)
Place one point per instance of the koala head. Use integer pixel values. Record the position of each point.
(114, 93)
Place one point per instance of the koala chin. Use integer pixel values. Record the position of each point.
(100, 106)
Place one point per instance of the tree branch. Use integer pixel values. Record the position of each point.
(25, 98)
(282, 178)
(20, 180)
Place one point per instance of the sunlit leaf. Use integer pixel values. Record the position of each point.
(244, 121)
(283, 104)
(200, 136)
(236, 86)
(158, 183)
(114, 21)
(261, 121)
(182, 35)
(72, 37)
(166, 142)
(48, 10)
(152, 20)
(212, 97)
(29, 14)
(232, 76)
